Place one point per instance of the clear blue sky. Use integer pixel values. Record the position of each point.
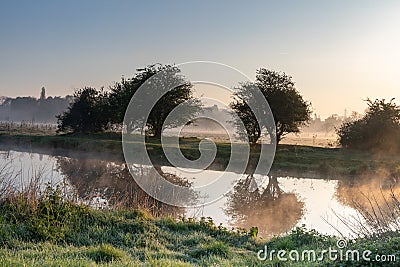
(339, 52)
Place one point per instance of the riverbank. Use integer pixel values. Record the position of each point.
(290, 160)
(49, 231)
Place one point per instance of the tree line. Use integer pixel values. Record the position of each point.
(97, 110)
(100, 110)
(42, 110)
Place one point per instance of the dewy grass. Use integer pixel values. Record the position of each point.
(50, 231)
(106, 253)
(217, 248)
(104, 236)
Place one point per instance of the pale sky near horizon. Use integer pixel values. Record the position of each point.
(338, 52)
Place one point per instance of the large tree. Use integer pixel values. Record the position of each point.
(379, 129)
(289, 109)
(121, 94)
(87, 113)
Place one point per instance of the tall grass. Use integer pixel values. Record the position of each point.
(376, 198)
(375, 218)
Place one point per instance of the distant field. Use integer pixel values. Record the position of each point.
(303, 139)
(218, 134)
(318, 139)
(27, 128)
(214, 132)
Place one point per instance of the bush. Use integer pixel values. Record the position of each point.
(378, 130)
(87, 114)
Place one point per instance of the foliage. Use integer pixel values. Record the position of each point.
(96, 111)
(168, 76)
(42, 110)
(288, 107)
(131, 238)
(253, 231)
(245, 116)
(88, 112)
(48, 217)
(378, 130)
(301, 237)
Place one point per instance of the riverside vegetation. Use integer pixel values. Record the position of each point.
(46, 229)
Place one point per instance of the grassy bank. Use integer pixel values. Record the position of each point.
(289, 159)
(49, 231)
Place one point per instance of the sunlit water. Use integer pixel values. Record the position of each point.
(279, 205)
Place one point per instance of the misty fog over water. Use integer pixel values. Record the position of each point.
(275, 207)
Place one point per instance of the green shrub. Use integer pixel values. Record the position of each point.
(378, 130)
(253, 232)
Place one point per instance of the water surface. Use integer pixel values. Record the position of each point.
(276, 206)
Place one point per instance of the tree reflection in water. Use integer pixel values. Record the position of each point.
(113, 182)
(272, 210)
